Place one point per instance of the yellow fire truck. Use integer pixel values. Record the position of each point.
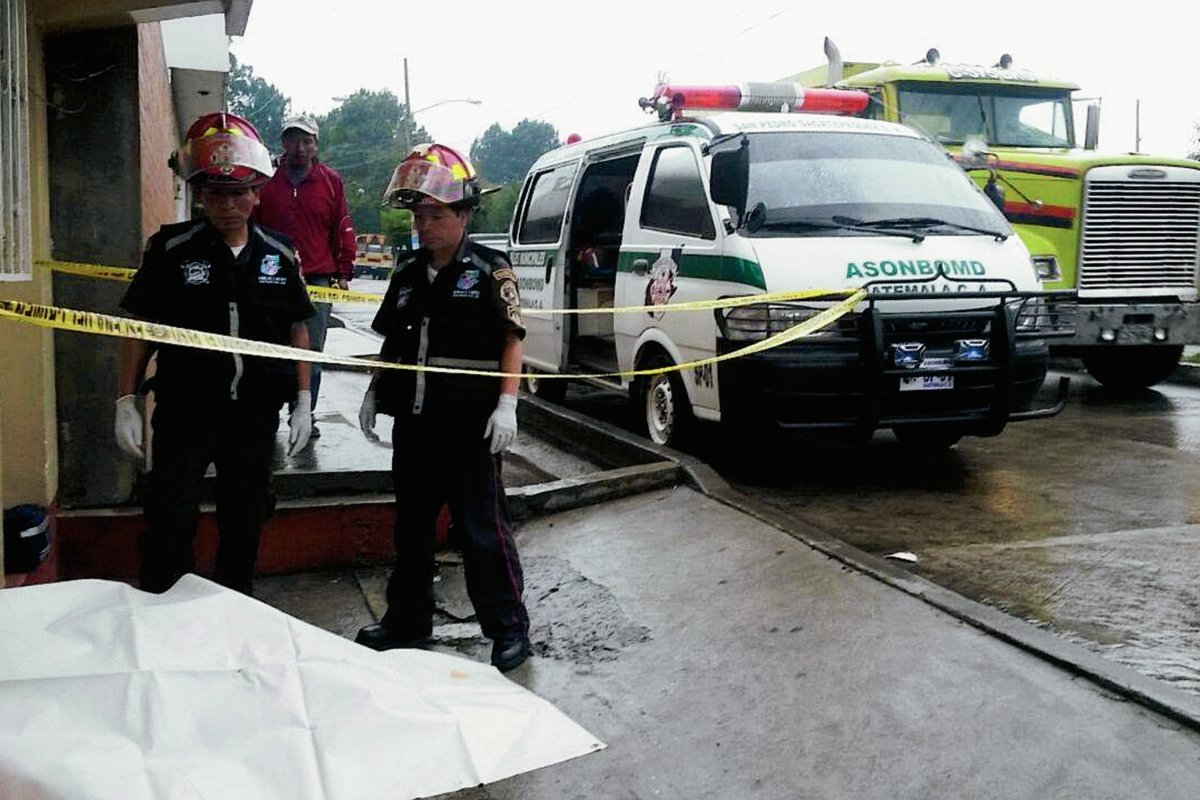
(1120, 230)
(373, 258)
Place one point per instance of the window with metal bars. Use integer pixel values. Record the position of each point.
(16, 257)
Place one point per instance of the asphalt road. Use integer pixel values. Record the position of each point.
(1086, 524)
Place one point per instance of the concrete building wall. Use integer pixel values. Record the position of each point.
(160, 188)
(94, 148)
(28, 444)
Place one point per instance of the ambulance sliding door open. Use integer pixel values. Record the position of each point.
(538, 254)
(593, 250)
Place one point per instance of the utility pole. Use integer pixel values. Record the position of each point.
(408, 117)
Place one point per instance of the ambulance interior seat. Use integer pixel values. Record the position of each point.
(596, 238)
(596, 246)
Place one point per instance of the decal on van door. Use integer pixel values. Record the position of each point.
(661, 287)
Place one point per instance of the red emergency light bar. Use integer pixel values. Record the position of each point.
(670, 101)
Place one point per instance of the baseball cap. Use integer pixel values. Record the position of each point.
(302, 122)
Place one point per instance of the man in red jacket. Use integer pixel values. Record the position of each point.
(306, 200)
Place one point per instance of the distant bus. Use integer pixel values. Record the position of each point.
(373, 257)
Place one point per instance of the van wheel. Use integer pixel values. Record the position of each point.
(553, 389)
(665, 415)
(928, 437)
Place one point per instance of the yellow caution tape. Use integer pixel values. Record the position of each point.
(321, 294)
(125, 327)
(327, 294)
(330, 295)
(89, 270)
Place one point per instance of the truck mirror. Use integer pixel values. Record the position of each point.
(975, 151)
(1091, 136)
(729, 178)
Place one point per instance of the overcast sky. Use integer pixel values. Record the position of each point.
(582, 66)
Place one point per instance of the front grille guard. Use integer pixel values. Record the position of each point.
(1015, 316)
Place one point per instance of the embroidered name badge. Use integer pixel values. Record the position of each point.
(268, 270)
(467, 283)
(196, 273)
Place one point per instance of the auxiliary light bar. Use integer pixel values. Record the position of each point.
(670, 101)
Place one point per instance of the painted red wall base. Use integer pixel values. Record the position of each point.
(330, 534)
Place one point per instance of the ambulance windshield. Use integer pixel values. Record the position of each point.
(810, 183)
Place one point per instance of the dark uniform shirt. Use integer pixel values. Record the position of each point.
(189, 278)
(459, 321)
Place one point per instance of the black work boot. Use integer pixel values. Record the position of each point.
(510, 652)
(382, 636)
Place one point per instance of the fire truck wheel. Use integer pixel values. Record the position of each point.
(661, 400)
(553, 390)
(1131, 368)
(928, 437)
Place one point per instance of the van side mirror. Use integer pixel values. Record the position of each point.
(729, 178)
(1091, 136)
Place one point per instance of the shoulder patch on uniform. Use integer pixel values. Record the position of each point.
(180, 238)
(273, 242)
(506, 287)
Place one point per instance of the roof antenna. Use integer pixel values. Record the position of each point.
(1005, 62)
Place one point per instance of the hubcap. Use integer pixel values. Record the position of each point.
(660, 409)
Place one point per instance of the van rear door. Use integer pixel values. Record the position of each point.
(537, 253)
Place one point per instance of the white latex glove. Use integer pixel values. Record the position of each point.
(300, 422)
(502, 424)
(129, 428)
(366, 415)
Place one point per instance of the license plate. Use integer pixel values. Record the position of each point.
(1135, 334)
(921, 383)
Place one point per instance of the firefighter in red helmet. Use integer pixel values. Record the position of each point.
(450, 303)
(219, 274)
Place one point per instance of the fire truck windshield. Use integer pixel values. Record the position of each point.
(1002, 115)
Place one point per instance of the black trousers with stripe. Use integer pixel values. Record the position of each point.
(432, 467)
(239, 440)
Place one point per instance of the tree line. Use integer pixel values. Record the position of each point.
(367, 135)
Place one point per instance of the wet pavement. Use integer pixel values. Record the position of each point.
(1071, 539)
(720, 656)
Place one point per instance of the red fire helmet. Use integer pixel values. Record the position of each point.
(223, 148)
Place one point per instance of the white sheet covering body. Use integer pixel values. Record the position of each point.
(202, 692)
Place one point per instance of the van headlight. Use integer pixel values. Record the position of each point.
(1046, 269)
(757, 322)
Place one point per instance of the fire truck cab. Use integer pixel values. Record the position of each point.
(1121, 231)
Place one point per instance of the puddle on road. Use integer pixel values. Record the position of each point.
(1130, 596)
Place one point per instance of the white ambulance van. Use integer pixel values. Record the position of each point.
(722, 204)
